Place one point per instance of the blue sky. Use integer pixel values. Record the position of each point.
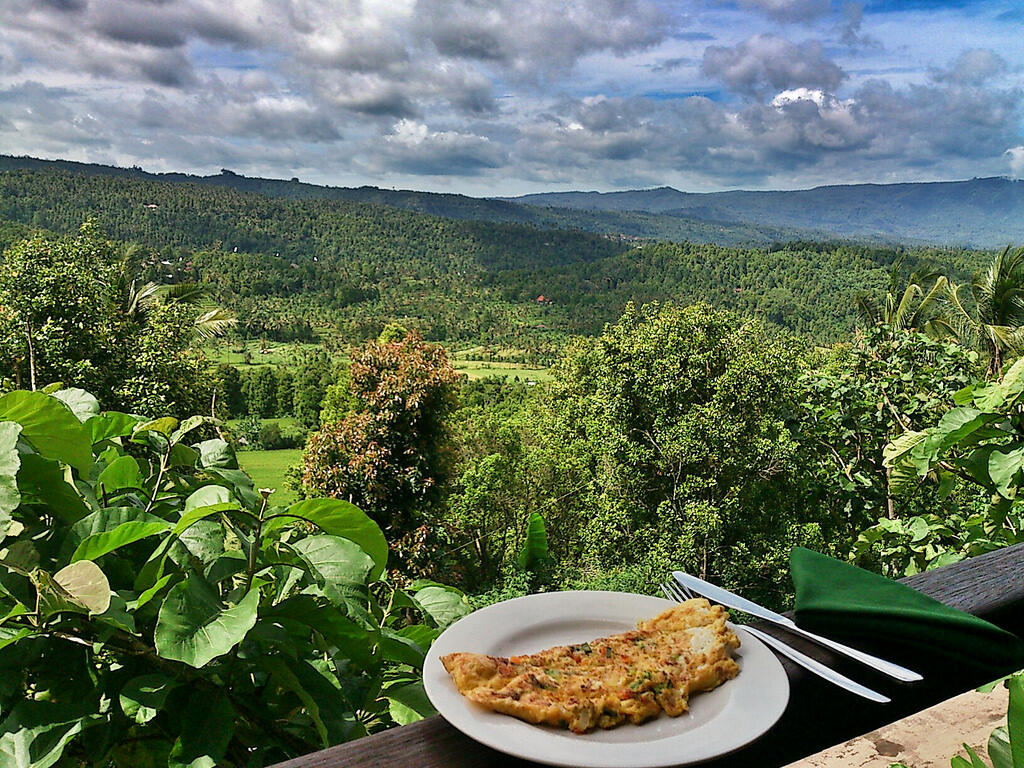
(496, 97)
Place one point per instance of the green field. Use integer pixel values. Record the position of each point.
(481, 369)
(251, 354)
(267, 470)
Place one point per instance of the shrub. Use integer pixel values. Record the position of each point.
(155, 610)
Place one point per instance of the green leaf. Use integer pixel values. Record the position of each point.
(195, 628)
(10, 463)
(121, 473)
(81, 403)
(142, 697)
(216, 454)
(340, 518)
(958, 423)
(976, 761)
(1003, 467)
(445, 605)
(1012, 385)
(196, 514)
(207, 496)
(901, 446)
(323, 694)
(11, 635)
(352, 640)
(50, 427)
(117, 615)
(189, 424)
(86, 584)
(165, 425)
(39, 746)
(100, 544)
(535, 546)
(287, 679)
(1015, 718)
(335, 561)
(182, 456)
(408, 703)
(403, 650)
(999, 752)
(45, 482)
(208, 723)
(109, 425)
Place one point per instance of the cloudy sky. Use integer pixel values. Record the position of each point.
(491, 97)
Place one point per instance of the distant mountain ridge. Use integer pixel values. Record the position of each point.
(985, 212)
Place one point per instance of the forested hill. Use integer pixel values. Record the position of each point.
(987, 213)
(301, 269)
(630, 224)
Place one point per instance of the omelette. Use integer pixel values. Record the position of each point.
(603, 683)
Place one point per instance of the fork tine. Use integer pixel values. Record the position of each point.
(674, 592)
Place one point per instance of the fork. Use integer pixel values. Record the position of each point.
(677, 593)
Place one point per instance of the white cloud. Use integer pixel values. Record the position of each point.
(1016, 157)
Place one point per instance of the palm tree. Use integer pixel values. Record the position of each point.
(912, 308)
(136, 299)
(995, 322)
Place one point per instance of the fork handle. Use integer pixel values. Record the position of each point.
(817, 667)
(887, 667)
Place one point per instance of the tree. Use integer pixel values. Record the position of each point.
(914, 306)
(675, 451)
(392, 452)
(62, 318)
(228, 382)
(260, 389)
(861, 396)
(996, 321)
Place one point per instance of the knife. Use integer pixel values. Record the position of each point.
(730, 600)
(817, 667)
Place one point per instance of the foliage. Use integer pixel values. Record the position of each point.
(391, 454)
(62, 319)
(996, 323)
(1006, 744)
(976, 447)
(156, 610)
(673, 451)
(863, 395)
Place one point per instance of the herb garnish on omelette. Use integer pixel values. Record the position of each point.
(603, 683)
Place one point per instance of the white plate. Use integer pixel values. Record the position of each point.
(718, 722)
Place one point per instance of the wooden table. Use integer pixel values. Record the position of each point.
(990, 586)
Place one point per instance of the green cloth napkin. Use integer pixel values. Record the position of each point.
(866, 610)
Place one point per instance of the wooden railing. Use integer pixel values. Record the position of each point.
(818, 715)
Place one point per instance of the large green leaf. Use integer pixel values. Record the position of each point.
(207, 496)
(408, 703)
(142, 697)
(110, 424)
(340, 518)
(99, 544)
(351, 640)
(42, 481)
(216, 454)
(81, 403)
(10, 463)
(50, 426)
(195, 628)
(334, 560)
(1015, 718)
(1003, 467)
(122, 472)
(999, 752)
(535, 546)
(445, 605)
(36, 746)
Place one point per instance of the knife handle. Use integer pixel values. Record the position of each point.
(817, 667)
(887, 667)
